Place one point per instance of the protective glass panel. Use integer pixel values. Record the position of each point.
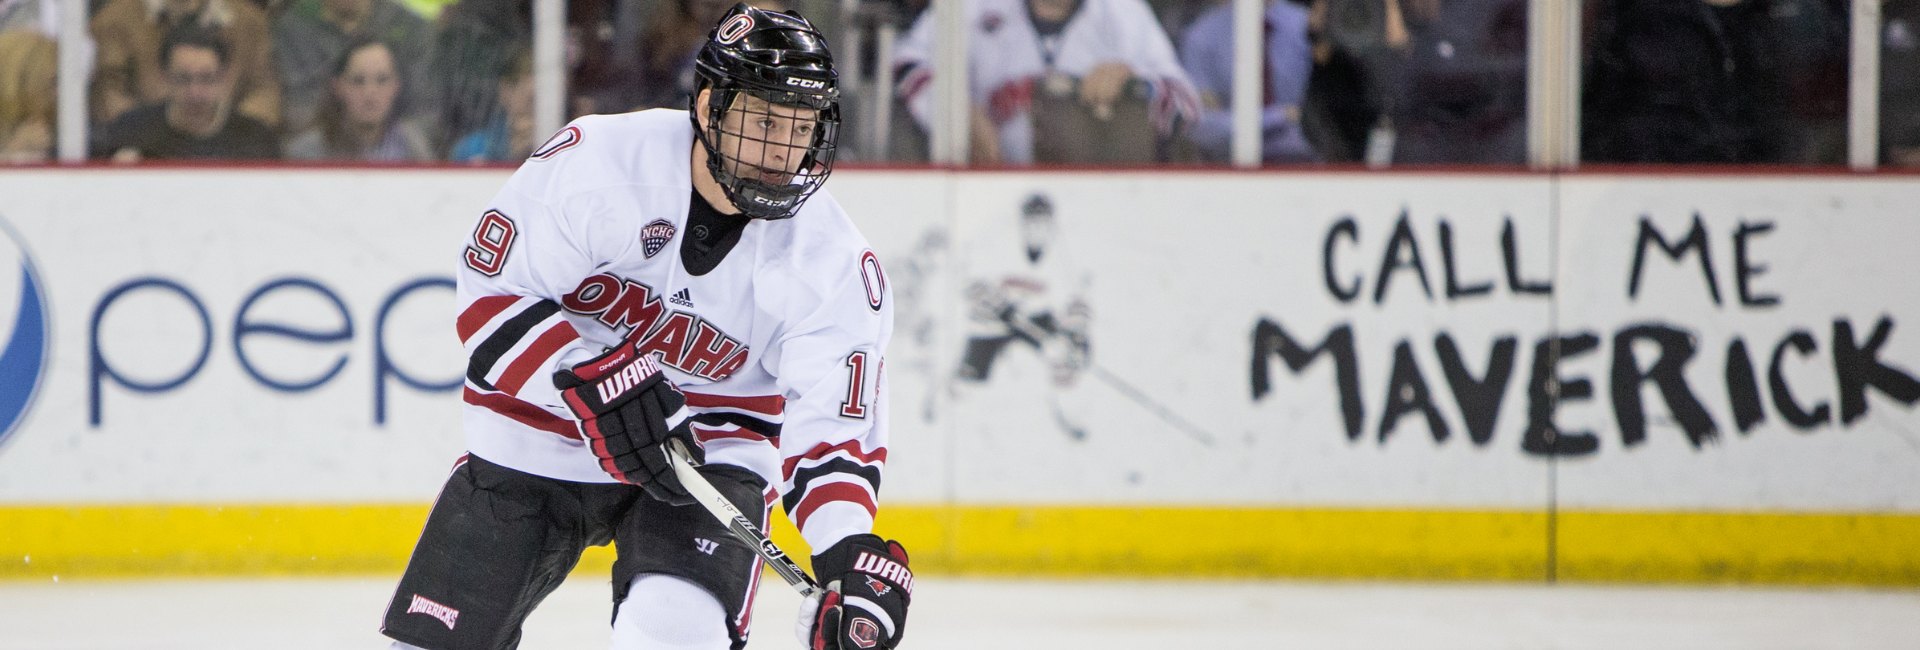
(1455, 82)
(1900, 83)
(1715, 81)
(479, 82)
(886, 80)
(29, 64)
(1206, 47)
(628, 55)
(1381, 82)
(636, 54)
(1061, 82)
(308, 80)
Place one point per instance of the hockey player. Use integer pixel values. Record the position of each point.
(641, 281)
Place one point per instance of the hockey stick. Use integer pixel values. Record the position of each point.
(737, 523)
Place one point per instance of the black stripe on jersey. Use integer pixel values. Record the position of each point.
(748, 422)
(503, 339)
(805, 475)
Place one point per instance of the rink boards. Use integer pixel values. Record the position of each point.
(1594, 377)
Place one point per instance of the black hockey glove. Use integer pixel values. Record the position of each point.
(864, 604)
(628, 411)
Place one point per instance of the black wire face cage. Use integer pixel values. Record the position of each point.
(770, 157)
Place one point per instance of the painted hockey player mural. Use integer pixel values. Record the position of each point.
(1029, 343)
(1035, 307)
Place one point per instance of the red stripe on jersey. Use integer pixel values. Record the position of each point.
(521, 412)
(535, 357)
(852, 447)
(769, 405)
(704, 435)
(830, 493)
(479, 312)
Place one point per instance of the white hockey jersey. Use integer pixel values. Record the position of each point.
(778, 349)
(1006, 57)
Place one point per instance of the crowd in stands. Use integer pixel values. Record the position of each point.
(1380, 82)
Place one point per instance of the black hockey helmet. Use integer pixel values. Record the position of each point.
(781, 59)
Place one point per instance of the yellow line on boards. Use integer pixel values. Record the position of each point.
(122, 541)
(1775, 548)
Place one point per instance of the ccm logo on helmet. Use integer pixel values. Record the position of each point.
(733, 29)
(811, 84)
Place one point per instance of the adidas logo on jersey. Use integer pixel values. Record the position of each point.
(423, 606)
(683, 299)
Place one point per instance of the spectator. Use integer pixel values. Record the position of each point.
(27, 68)
(475, 42)
(362, 117)
(1682, 82)
(129, 33)
(196, 120)
(509, 136)
(1107, 59)
(1206, 48)
(1358, 46)
(641, 55)
(310, 36)
(1900, 83)
(1463, 87)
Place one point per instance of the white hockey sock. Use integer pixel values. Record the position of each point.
(663, 612)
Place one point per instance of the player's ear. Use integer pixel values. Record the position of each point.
(700, 107)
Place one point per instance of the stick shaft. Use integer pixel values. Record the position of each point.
(737, 523)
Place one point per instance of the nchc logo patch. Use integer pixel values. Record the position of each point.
(655, 236)
(23, 330)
